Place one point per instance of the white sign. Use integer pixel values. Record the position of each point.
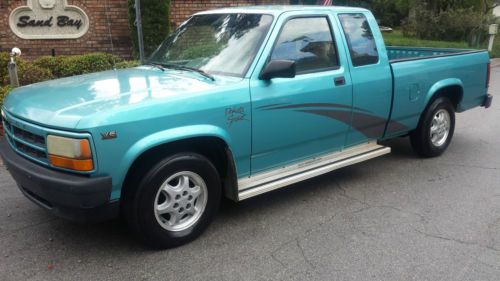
(493, 30)
(49, 19)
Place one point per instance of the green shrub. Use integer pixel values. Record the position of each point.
(127, 64)
(390, 12)
(46, 68)
(4, 91)
(29, 74)
(453, 24)
(55, 64)
(4, 71)
(155, 24)
(76, 65)
(63, 66)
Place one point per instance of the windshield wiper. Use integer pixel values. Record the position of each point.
(181, 67)
(159, 66)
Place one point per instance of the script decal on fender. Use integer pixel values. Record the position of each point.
(235, 114)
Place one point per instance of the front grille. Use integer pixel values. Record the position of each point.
(30, 151)
(27, 136)
(24, 140)
(6, 125)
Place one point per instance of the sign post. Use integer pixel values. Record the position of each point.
(138, 22)
(493, 30)
(14, 79)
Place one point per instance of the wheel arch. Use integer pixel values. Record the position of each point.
(452, 88)
(209, 141)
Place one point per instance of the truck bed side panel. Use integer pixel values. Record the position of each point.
(416, 81)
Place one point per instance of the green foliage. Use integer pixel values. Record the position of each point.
(55, 64)
(127, 64)
(390, 12)
(4, 91)
(155, 24)
(4, 61)
(396, 38)
(200, 51)
(29, 74)
(455, 23)
(46, 68)
(63, 66)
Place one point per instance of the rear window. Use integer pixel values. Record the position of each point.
(360, 39)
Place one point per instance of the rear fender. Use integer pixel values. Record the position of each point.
(440, 85)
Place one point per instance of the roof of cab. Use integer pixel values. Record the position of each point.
(279, 9)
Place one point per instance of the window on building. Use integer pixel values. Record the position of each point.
(308, 42)
(360, 39)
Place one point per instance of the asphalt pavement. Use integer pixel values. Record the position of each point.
(397, 217)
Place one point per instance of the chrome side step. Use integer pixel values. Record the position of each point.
(281, 177)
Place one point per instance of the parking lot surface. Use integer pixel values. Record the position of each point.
(397, 217)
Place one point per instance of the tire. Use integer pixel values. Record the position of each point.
(174, 201)
(435, 129)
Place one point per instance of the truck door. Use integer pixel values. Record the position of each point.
(297, 118)
(371, 76)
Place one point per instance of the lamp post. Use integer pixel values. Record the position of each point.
(14, 79)
(138, 22)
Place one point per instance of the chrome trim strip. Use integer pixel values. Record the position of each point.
(308, 164)
(265, 182)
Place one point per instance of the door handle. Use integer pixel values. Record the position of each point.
(339, 81)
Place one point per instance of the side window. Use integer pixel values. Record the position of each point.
(308, 42)
(359, 39)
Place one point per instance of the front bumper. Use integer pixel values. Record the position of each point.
(74, 197)
(487, 101)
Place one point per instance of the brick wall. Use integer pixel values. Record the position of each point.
(98, 38)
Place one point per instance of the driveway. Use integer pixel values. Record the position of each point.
(398, 217)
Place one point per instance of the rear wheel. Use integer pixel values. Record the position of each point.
(435, 129)
(175, 200)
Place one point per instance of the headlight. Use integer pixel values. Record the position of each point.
(68, 153)
(3, 115)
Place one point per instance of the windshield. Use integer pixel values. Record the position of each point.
(224, 44)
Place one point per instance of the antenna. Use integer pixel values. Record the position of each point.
(109, 33)
(138, 22)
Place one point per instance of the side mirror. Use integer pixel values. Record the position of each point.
(278, 69)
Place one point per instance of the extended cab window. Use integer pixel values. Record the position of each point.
(308, 42)
(359, 39)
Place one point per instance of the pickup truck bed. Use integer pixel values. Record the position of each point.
(455, 70)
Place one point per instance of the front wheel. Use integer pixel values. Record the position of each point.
(435, 129)
(175, 200)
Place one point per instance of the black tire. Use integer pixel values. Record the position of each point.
(420, 138)
(139, 209)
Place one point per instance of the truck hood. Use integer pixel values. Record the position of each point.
(62, 103)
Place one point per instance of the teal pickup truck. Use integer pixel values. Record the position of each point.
(235, 103)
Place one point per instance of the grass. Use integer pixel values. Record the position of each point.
(396, 38)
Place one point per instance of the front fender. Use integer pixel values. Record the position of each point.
(171, 135)
(441, 85)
